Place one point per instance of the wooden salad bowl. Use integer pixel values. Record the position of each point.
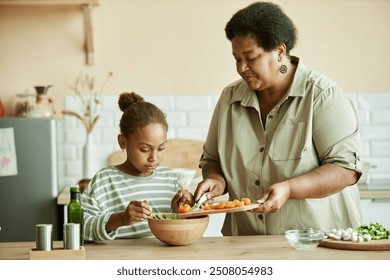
(178, 232)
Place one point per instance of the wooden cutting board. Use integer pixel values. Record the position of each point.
(201, 212)
(372, 245)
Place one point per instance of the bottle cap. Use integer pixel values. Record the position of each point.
(75, 188)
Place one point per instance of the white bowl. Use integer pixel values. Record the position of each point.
(305, 239)
(185, 175)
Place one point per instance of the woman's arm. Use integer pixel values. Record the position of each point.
(321, 182)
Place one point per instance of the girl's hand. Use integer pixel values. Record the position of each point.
(182, 197)
(136, 211)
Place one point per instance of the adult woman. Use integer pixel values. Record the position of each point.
(283, 135)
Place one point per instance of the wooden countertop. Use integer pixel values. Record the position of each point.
(272, 247)
(63, 197)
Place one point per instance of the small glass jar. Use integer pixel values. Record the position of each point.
(25, 104)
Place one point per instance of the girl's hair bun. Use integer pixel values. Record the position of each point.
(127, 99)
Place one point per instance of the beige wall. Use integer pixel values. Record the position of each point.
(178, 46)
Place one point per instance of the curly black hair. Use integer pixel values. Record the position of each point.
(266, 23)
(138, 113)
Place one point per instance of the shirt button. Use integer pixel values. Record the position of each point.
(270, 117)
(261, 217)
(261, 149)
(257, 182)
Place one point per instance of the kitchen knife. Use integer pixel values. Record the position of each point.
(201, 200)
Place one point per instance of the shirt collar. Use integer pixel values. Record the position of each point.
(244, 95)
(298, 85)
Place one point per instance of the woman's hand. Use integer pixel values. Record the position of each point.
(213, 187)
(272, 200)
(214, 183)
(182, 197)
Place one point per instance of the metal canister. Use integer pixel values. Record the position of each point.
(72, 236)
(44, 237)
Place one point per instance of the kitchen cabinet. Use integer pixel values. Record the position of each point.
(87, 11)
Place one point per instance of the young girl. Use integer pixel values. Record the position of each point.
(119, 199)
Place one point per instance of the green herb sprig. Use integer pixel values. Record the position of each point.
(170, 216)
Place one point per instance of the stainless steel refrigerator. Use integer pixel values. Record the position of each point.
(28, 178)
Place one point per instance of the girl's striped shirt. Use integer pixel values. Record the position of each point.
(111, 190)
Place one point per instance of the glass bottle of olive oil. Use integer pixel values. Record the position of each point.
(76, 211)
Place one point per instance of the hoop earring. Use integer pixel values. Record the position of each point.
(283, 69)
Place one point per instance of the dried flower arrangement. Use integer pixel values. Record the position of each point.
(84, 88)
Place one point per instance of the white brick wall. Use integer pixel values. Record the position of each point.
(189, 117)
(374, 116)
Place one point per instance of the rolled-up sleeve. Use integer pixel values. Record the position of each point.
(336, 130)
